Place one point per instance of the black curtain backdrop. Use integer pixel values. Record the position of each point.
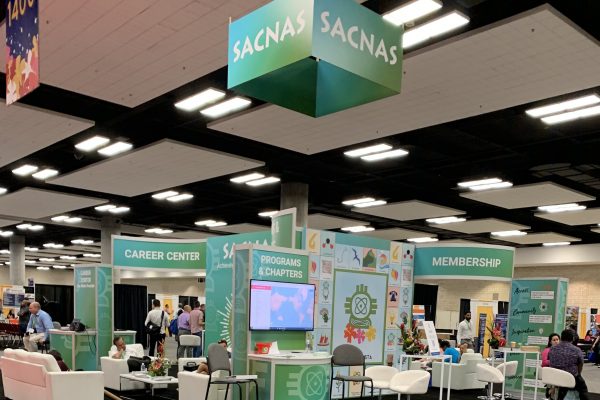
(56, 300)
(426, 295)
(130, 304)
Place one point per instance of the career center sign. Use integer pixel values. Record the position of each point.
(129, 252)
(457, 261)
(315, 56)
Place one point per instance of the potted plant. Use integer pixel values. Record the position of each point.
(496, 340)
(159, 366)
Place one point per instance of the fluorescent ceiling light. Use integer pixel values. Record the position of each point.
(385, 155)
(422, 240)
(354, 202)
(6, 262)
(92, 143)
(68, 258)
(31, 248)
(199, 100)
(45, 174)
(371, 204)
(60, 218)
(552, 244)
(105, 207)
(226, 107)
(357, 229)
(445, 220)
(43, 268)
(562, 208)
(59, 267)
(205, 222)
(486, 181)
(25, 170)
(498, 185)
(246, 178)
(53, 245)
(6, 233)
(563, 106)
(115, 148)
(4, 251)
(92, 255)
(164, 195)
(73, 220)
(45, 259)
(267, 213)
(217, 224)
(368, 150)
(572, 115)
(3, 190)
(82, 241)
(263, 181)
(23, 226)
(180, 197)
(119, 210)
(412, 11)
(434, 28)
(508, 233)
(36, 228)
(158, 231)
(30, 262)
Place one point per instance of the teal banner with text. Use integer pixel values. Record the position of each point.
(173, 255)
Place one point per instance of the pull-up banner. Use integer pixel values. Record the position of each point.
(22, 48)
(457, 261)
(315, 56)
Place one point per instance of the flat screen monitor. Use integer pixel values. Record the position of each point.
(281, 306)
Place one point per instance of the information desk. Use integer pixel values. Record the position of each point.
(128, 336)
(291, 376)
(78, 349)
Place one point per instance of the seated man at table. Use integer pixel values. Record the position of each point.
(449, 351)
(569, 358)
(38, 327)
(203, 367)
(133, 362)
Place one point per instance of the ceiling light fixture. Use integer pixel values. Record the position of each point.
(6, 233)
(572, 115)
(46, 259)
(45, 174)
(53, 245)
(436, 27)
(84, 242)
(115, 148)
(563, 106)
(23, 226)
(445, 220)
(371, 204)
(217, 224)
(180, 197)
(358, 229)
(363, 151)
(119, 210)
(267, 214)
(205, 222)
(31, 248)
(29, 227)
(412, 11)
(500, 185)
(159, 231)
(509, 233)
(105, 207)
(486, 181)
(92, 255)
(60, 218)
(92, 143)
(553, 244)
(562, 208)
(68, 258)
(354, 202)
(59, 267)
(30, 262)
(385, 155)
(226, 107)
(247, 178)
(73, 220)
(199, 100)
(3, 191)
(164, 195)
(4, 251)
(43, 268)
(25, 170)
(422, 240)
(264, 181)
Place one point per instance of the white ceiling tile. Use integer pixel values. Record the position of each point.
(482, 225)
(409, 210)
(37, 203)
(396, 234)
(324, 221)
(161, 165)
(8, 222)
(243, 228)
(25, 130)
(537, 194)
(538, 238)
(584, 217)
(488, 69)
(191, 235)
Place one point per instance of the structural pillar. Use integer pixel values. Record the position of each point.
(109, 226)
(295, 194)
(17, 261)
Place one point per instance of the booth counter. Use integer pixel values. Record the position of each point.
(78, 349)
(292, 375)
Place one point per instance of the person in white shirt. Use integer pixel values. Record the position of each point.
(465, 332)
(159, 318)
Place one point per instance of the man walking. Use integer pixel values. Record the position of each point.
(156, 323)
(569, 358)
(465, 333)
(38, 327)
(197, 325)
(183, 328)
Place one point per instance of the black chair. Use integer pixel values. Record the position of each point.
(44, 346)
(218, 360)
(347, 355)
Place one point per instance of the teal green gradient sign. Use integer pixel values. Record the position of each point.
(315, 56)
(464, 262)
(173, 255)
(280, 267)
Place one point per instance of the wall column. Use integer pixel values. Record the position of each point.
(17, 261)
(295, 194)
(109, 226)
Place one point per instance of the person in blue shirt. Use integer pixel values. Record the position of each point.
(450, 351)
(38, 328)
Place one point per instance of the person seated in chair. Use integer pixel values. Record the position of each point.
(450, 351)
(133, 363)
(203, 367)
(38, 328)
(59, 360)
(569, 358)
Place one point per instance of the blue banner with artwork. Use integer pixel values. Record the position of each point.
(22, 48)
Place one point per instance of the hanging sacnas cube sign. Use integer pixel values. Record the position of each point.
(316, 57)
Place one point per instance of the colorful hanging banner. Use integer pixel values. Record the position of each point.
(22, 49)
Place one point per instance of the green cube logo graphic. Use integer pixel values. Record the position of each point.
(315, 56)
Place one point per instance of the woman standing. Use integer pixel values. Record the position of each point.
(23, 315)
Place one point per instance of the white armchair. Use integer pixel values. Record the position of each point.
(464, 374)
(410, 382)
(381, 375)
(192, 386)
(181, 362)
(113, 368)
